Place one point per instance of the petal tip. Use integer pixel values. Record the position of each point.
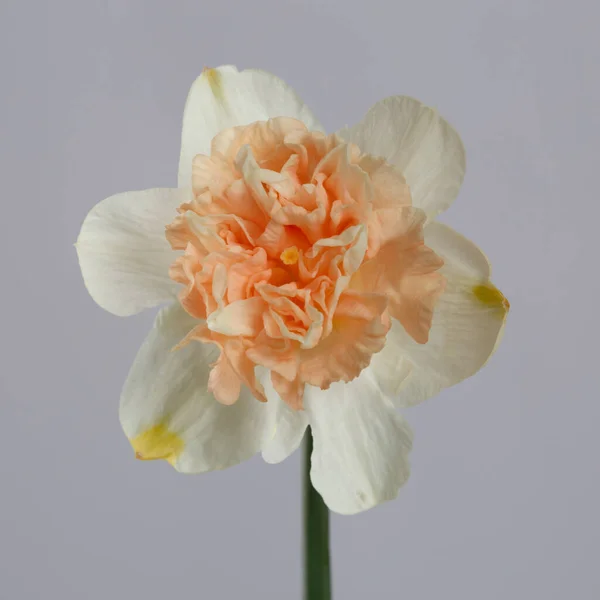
(156, 443)
(489, 295)
(213, 77)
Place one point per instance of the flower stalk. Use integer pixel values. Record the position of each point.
(317, 573)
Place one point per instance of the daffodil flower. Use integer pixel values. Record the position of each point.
(306, 282)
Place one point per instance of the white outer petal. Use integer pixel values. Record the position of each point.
(464, 334)
(361, 445)
(420, 143)
(169, 387)
(388, 367)
(288, 425)
(225, 97)
(123, 252)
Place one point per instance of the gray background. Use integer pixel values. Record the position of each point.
(503, 500)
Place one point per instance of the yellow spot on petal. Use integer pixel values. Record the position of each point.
(490, 295)
(214, 80)
(156, 443)
(290, 256)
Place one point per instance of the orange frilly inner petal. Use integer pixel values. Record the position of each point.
(297, 251)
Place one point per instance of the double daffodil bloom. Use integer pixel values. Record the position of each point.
(306, 282)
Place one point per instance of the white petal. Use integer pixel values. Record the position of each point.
(123, 253)
(288, 426)
(388, 367)
(225, 97)
(460, 254)
(166, 392)
(467, 323)
(420, 143)
(361, 445)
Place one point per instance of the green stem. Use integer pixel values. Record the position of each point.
(317, 579)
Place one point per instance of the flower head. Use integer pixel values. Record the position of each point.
(308, 284)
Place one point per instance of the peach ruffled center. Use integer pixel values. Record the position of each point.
(297, 251)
